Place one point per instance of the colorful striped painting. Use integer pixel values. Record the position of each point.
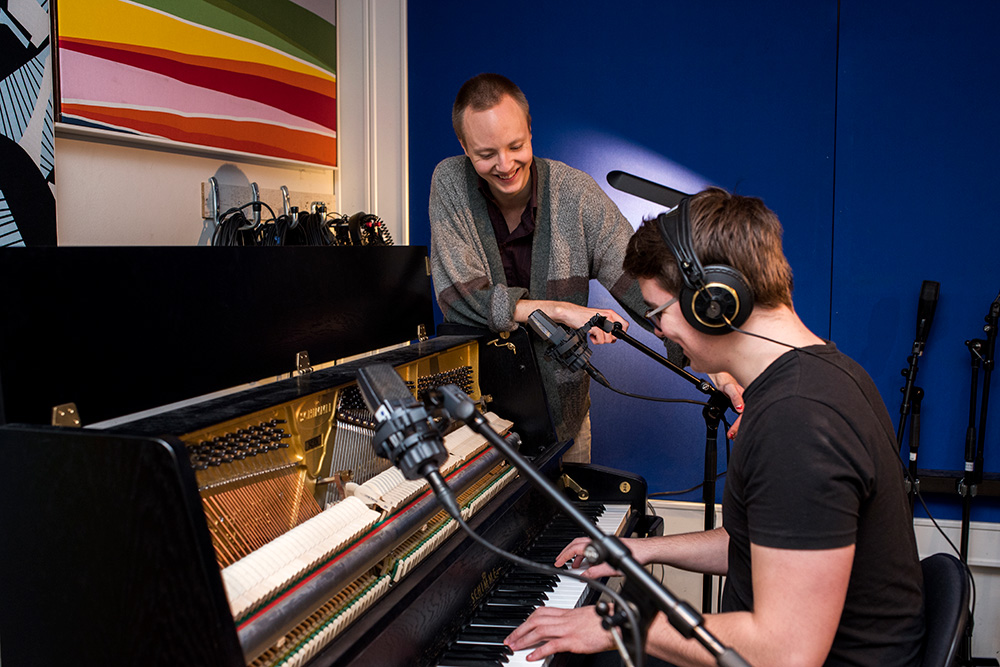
(254, 76)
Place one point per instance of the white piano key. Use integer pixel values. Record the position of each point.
(568, 593)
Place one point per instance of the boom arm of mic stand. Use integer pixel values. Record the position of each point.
(716, 398)
(682, 617)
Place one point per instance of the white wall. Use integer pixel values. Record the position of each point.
(109, 192)
(114, 189)
(372, 127)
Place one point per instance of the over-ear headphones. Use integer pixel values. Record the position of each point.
(368, 229)
(716, 298)
(354, 226)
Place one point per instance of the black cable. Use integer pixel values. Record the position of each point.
(234, 229)
(605, 383)
(249, 204)
(923, 503)
(275, 233)
(637, 647)
(678, 493)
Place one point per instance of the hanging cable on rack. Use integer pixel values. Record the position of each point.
(309, 229)
(235, 229)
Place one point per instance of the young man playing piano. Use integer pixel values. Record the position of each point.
(817, 542)
(512, 233)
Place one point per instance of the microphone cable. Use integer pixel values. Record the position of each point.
(604, 382)
(542, 568)
(582, 333)
(657, 494)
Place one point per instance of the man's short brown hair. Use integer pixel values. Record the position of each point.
(725, 229)
(482, 92)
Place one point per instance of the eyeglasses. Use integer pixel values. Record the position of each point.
(653, 314)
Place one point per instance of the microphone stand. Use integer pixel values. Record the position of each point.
(982, 354)
(717, 404)
(913, 481)
(912, 396)
(648, 594)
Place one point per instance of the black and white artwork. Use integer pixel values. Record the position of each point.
(27, 197)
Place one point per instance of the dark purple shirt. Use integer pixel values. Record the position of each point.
(515, 246)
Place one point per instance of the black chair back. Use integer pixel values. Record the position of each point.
(946, 608)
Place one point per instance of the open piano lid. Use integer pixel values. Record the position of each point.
(119, 330)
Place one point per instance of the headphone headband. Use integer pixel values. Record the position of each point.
(675, 228)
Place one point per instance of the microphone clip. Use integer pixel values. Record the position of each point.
(408, 438)
(573, 352)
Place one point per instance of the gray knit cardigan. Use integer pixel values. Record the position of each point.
(579, 234)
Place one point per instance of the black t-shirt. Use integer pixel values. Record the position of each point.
(815, 467)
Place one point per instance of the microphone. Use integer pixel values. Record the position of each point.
(925, 310)
(564, 345)
(405, 434)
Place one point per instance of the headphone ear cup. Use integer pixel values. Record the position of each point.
(725, 300)
(354, 227)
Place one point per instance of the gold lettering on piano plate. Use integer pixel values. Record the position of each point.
(486, 584)
(309, 413)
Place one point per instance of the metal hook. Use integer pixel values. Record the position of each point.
(213, 198)
(254, 199)
(285, 200)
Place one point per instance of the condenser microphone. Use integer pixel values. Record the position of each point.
(405, 435)
(564, 345)
(925, 309)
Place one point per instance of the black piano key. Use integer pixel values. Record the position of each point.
(519, 576)
(465, 662)
(508, 622)
(510, 587)
(524, 597)
(495, 654)
(503, 610)
(477, 634)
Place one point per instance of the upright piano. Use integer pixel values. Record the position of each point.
(256, 526)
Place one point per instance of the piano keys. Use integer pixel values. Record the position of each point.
(521, 591)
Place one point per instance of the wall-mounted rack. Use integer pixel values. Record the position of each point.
(230, 196)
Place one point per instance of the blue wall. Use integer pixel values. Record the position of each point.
(868, 130)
